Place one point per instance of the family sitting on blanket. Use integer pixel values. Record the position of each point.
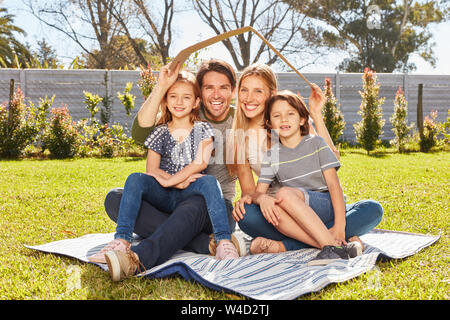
(175, 207)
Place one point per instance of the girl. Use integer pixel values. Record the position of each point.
(305, 167)
(180, 147)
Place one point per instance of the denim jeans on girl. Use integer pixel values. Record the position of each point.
(140, 186)
(360, 218)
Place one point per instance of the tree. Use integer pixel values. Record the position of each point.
(157, 28)
(13, 54)
(369, 129)
(287, 30)
(125, 57)
(88, 23)
(45, 54)
(379, 34)
(399, 121)
(332, 115)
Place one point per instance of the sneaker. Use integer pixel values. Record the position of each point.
(354, 249)
(116, 244)
(226, 250)
(239, 240)
(264, 245)
(328, 255)
(122, 265)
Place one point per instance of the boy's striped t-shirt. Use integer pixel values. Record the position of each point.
(301, 166)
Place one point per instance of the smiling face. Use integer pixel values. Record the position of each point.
(253, 94)
(217, 93)
(285, 119)
(181, 99)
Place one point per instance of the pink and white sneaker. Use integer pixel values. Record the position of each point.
(116, 244)
(226, 250)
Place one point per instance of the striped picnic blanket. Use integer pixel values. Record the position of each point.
(263, 276)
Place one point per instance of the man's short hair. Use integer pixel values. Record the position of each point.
(219, 66)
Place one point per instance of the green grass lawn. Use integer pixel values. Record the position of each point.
(49, 200)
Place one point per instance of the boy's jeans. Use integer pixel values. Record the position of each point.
(140, 186)
(361, 217)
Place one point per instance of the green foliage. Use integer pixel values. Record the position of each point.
(384, 39)
(446, 129)
(61, 138)
(127, 98)
(17, 127)
(369, 129)
(91, 101)
(147, 81)
(332, 115)
(399, 121)
(430, 131)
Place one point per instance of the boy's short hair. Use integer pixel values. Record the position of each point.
(294, 101)
(219, 66)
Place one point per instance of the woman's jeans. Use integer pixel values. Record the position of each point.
(140, 186)
(361, 217)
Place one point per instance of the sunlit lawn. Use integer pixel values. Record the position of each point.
(49, 200)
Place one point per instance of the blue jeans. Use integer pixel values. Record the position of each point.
(140, 186)
(361, 217)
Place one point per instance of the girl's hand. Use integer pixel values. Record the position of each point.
(269, 208)
(167, 77)
(239, 209)
(338, 234)
(161, 180)
(316, 100)
(188, 181)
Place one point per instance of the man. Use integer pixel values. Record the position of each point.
(188, 227)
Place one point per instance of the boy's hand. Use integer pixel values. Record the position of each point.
(269, 208)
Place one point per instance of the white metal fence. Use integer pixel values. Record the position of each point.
(68, 86)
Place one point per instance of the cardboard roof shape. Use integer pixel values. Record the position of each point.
(185, 53)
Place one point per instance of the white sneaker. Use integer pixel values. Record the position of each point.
(226, 250)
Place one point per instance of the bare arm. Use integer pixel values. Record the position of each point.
(199, 164)
(147, 113)
(316, 102)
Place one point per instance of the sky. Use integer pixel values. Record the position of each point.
(190, 28)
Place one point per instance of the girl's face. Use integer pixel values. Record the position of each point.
(181, 99)
(253, 94)
(285, 119)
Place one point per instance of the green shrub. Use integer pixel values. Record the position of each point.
(399, 122)
(430, 131)
(17, 127)
(332, 115)
(61, 138)
(369, 130)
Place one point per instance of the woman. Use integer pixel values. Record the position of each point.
(256, 85)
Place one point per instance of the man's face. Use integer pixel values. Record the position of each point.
(216, 95)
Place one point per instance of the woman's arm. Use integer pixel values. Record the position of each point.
(338, 202)
(316, 102)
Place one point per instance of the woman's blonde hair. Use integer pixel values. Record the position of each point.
(235, 149)
(185, 77)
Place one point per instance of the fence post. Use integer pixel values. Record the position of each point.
(420, 110)
(11, 97)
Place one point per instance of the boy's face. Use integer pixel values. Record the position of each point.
(285, 119)
(217, 93)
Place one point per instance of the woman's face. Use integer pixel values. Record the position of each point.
(253, 94)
